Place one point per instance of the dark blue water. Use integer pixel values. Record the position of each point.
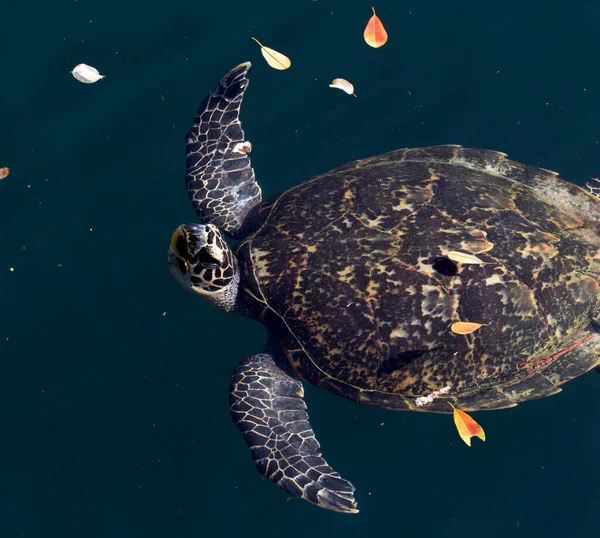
(113, 384)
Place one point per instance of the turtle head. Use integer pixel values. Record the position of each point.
(202, 262)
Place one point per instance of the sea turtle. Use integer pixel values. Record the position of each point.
(359, 275)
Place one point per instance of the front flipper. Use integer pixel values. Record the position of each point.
(267, 406)
(219, 178)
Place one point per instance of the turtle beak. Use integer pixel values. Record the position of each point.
(194, 245)
(178, 253)
(187, 240)
(178, 242)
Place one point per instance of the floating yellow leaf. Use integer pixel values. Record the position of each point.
(463, 257)
(466, 426)
(375, 34)
(465, 327)
(4, 172)
(275, 59)
(344, 85)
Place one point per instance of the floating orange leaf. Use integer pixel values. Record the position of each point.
(275, 59)
(463, 257)
(465, 327)
(4, 172)
(375, 34)
(466, 426)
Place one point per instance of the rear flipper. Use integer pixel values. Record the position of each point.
(267, 406)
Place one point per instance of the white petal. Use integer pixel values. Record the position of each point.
(342, 84)
(242, 147)
(86, 74)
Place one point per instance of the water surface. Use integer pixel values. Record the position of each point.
(113, 387)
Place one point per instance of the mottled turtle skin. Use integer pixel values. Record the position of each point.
(350, 271)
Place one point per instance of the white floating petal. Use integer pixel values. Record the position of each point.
(86, 74)
(344, 85)
(242, 147)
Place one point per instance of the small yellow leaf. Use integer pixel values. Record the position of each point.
(4, 172)
(463, 257)
(344, 85)
(466, 426)
(275, 59)
(465, 327)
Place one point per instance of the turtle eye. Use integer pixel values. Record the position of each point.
(207, 260)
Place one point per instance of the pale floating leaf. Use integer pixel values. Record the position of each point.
(242, 147)
(86, 74)
(465, 327)
(275, 59)
(344, 85)
(4, 172)
(463, 257)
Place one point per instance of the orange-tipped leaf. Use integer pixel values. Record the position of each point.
(465, 327)
(375, 34)
(467, 427)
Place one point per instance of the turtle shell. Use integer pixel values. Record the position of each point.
(356, 273)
